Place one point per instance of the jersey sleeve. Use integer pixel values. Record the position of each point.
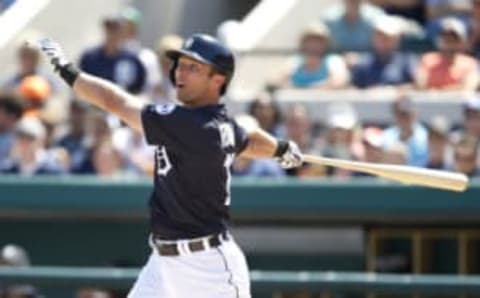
(176, 128)
(241, 138)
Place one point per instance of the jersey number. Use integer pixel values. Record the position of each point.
(163, 162)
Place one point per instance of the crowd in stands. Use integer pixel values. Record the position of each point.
(355, 45)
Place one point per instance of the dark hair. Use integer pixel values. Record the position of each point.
(266, 97)
(11, 104)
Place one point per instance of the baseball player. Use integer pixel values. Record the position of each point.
(193, 254)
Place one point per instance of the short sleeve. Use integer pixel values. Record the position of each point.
(241, 138)
(179, 129)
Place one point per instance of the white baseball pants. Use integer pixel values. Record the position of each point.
(219, 272)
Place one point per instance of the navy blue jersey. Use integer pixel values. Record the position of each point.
(195, 149)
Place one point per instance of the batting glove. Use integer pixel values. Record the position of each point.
(57, 58)
(288, 155)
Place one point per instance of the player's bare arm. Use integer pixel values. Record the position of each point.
(97, 91)
(110, 98)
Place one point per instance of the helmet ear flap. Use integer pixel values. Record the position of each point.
(172, 71)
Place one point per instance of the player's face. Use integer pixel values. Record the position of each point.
(195, 81)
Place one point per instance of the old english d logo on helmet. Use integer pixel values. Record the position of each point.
(206, 49)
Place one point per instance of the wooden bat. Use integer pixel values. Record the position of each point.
(405, 174)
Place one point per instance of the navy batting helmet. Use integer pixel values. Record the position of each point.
(206, 49)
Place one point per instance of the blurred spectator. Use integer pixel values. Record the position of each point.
(107, 161)
(474, 24)
(449, 68)
(36, 91)
(409, 131)
(372, 144)
(75, 139)
(471, 114)
(4, 4)
(339, 139)
(28, 59)
(396, 154)
(254, 167)
(29, 155)
(315, 68)
(267, 112)
(385, 65)
(466, 156)
(437, 10)
(132, 18)
(438, 143)
(112, 61)
(165, 91)
(410, 9)
(136, 154)
(350, 25)
(11, 110)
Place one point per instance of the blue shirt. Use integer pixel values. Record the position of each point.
(125, 69)
(194, 151)
(417, 144)
(6, 143)
(394, 70)
(302, 78)
(261, 168)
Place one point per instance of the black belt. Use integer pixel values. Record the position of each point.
(172, 249)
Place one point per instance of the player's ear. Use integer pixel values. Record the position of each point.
(218, 79)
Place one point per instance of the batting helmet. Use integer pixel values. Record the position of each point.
(206, 49)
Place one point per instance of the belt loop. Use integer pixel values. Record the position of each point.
(182, 246)
(206, 243)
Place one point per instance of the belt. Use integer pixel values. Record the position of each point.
(189, 246)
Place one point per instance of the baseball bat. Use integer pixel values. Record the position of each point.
(405, 174)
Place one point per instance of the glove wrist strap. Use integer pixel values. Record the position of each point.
(69, 73)
(282, 147)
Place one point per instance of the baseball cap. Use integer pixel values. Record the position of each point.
(388, 25)
(373, 136)
(439, 124)
(31, 127)
(453, 25)
(341, 115)
(318, 29)
(132, 15)
(14, 255)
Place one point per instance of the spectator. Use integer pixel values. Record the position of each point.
(339, 139)
(92, 293)
(449, 68)
(136, 154)
(438, 143)
(437, 10)
(385, 66)
(28, 60)
(132, 18)
(350, 25)
(165, 91)
(75, 140)
(315, 68)
(474, 24)
(112, 62)
(396, 154)
(29, 155)
(466, 156)
(372, 144)
(14, 256)
(11, 110)
(107, 161)
(409, 131)
(471, 114)
(254, 167)
(267, 112)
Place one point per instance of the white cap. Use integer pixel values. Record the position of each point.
(388, 25)
(31, 127)
(454, 25)
(473, 103)
(341, 115)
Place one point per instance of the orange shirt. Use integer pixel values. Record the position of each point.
(442, 73)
